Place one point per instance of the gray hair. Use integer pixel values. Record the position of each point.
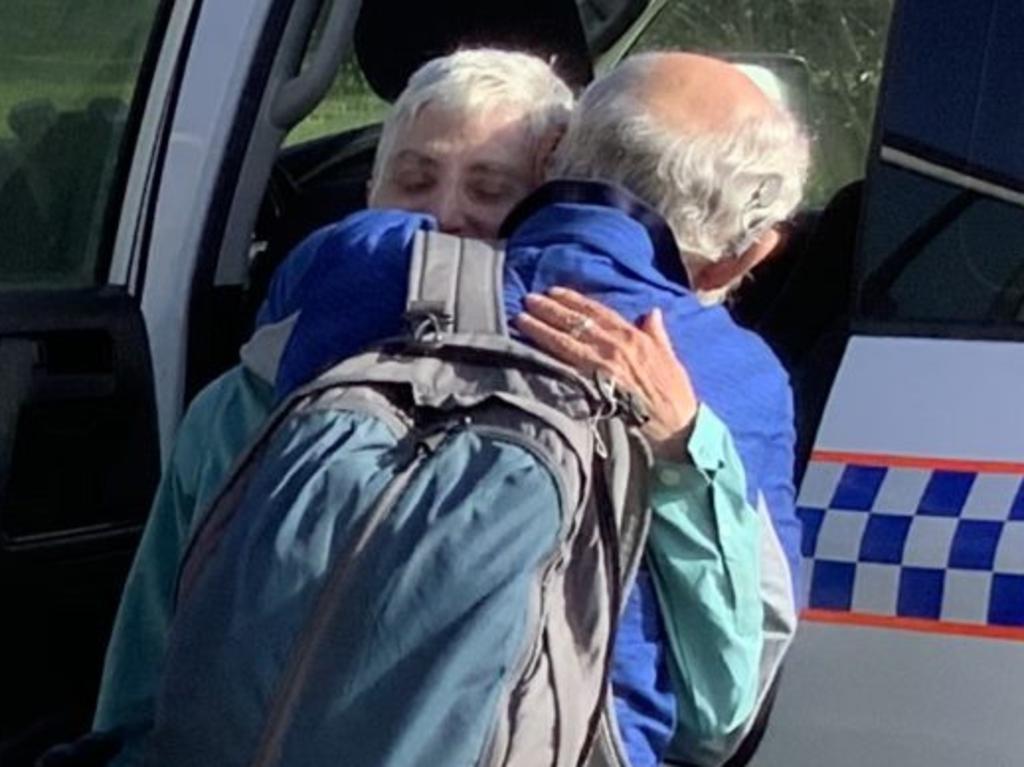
(475, 80)
(719, 192)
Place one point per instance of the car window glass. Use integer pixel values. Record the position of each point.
(843, 42)
(604, 21)
(943, 235)
(69, 70)
(350, 103)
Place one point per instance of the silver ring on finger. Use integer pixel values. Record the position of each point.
(580, 326)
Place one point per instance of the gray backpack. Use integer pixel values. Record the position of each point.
(420, 560)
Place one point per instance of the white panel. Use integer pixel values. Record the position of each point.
(864, 697)
(965, 596)
(145, 145)
(929, 542)
(875, 588)
(1010, 552)
(991, 497)
(840, 536)
(901, 491)
(928, 397)
(819, 484)
(869, 697)
(226, 37)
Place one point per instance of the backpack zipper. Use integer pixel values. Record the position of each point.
(497, 733)
(293, 682)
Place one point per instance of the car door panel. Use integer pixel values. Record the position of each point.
(912, 648)
(78, 464)
(79, 454)
(912, 645)
(78, 416)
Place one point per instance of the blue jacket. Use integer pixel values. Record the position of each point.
(350, 282)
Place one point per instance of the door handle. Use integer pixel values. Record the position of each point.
(73, 365)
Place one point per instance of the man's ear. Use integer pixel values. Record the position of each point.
(546, 147)
(728, 271)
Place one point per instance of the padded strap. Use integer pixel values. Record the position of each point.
(626, 474)
(606, 749)
(455, 285)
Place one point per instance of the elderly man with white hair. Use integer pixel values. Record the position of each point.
(723, 164)
(695, 138)
(466, 145)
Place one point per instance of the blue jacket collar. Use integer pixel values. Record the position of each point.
(578, 201)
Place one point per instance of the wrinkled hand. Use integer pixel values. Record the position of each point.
(593, 338)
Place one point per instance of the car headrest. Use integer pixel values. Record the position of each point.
(393, 38)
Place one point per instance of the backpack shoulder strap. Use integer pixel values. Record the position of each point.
(626, 477)
(455, 284)
(627, 466)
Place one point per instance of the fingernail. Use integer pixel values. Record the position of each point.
(557, 291)
(532, 298)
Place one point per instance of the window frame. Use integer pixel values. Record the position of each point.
(130, 138)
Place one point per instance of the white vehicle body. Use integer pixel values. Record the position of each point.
(933, 674)
(911, 649)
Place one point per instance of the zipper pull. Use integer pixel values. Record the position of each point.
(431, 438)
(429, 442)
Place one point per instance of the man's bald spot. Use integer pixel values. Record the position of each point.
(698, 93)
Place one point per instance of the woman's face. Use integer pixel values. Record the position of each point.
(466, 170)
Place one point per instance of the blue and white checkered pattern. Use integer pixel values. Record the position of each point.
(915, 543)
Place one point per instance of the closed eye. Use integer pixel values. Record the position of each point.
(494, 188)
(414, 183)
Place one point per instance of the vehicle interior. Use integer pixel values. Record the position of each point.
(797, 300)
(85, 397)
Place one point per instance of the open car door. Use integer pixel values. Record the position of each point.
(135, 144)
(79, 453)
(122, 122)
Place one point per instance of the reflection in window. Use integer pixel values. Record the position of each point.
(69, 73)
(935, 252)
(349, 104)
(843, 42)
(943, 236)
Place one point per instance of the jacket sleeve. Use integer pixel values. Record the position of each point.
(212, 433)
(131, 670)
(703, 553)
(778, 487)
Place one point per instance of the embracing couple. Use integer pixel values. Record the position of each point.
(626, 219)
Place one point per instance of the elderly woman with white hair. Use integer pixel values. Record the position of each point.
(461, 143)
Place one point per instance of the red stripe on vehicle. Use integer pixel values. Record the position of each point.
(918, 625)
(918, 462)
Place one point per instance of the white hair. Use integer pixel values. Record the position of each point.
(472, 81)
(719, 192)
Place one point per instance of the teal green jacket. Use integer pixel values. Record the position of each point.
(216, 428)
(702, 551)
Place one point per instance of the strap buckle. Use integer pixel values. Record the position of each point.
(619, 402)
(428, 320)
